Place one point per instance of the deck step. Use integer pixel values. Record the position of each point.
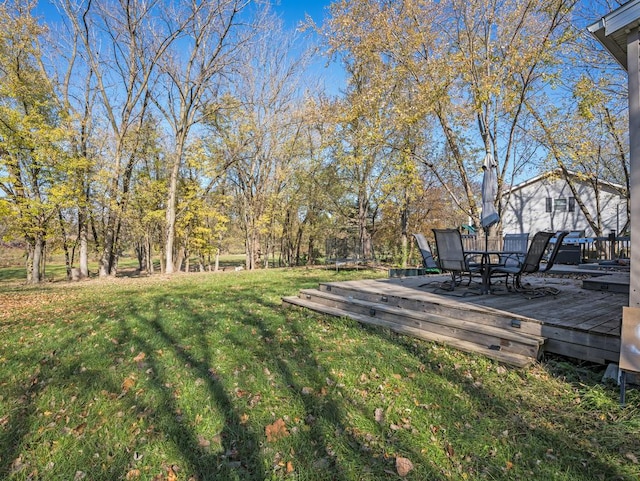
(434, 304)
(512, 348)
(608, 282)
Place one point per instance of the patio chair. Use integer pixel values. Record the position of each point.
(428, 262)
(529, 265)
(451, 256)
(516, 245)
(559, 237)
(544, 290)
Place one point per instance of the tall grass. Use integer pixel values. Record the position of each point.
(207, 377)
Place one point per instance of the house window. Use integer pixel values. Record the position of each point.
(548, 204)
(560, 205)
(572, 204)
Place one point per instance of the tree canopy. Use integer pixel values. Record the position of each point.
(178, 131)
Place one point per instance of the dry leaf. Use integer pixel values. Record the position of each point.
(133, 474)
(79, 429)
(449, 450)
(289, 467)
(140, 357)
(128, 383)
(631, 457)
(203, 442)
(276, 430)
(403, 466)
(379, 415)
(171, 474)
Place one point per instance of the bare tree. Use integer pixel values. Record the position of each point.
(260, 130)
(121, 44)
(191, 75)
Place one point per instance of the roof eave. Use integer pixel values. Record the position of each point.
(598, 30)
(611, 29)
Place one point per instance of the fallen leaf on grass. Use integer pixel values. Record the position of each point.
(203, 442)
(128, 383)
(631, 457)
(171, 474)
(379, 415)
(449, 450)
(133, 474)
(290, 468)
(79, 429)
(276, 430)
(140, 357)
(403, 466)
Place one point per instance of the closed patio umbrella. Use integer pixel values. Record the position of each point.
(489, 190)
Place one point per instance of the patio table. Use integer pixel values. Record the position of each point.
(486, 265)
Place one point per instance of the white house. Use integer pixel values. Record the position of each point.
(547, 203)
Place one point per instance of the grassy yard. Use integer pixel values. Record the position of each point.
(207, 377)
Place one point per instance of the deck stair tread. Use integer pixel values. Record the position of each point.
(393, 290)
(477, 328)
(610, 282)
(500, 355)
(435, 304)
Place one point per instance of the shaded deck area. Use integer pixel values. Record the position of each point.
(582, 321)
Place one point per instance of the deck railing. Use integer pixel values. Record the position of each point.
(610, 247)
(592, 249)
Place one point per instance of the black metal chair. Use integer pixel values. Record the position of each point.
(559, 238)
(529, 265)
(451, 256)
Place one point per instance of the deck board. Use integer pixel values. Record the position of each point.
(578, 322)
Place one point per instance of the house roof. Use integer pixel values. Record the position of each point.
(558, 174)
(612, 29)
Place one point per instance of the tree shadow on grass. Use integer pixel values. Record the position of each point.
(541, 448)
(338, 452)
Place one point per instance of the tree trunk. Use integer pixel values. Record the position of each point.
(37, 260)
(65, 245)
(149, 257)
(83, 234)
(404, 240)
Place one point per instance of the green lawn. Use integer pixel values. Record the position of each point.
(207, 377)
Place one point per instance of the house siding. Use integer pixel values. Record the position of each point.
(527, 209)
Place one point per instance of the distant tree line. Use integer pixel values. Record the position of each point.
(178, 130)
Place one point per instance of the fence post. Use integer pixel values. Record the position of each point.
(612, 244)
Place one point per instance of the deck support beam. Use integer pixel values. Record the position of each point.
(633, 69)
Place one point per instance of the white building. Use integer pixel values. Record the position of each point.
(546, 203)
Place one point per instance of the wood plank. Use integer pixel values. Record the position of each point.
(586, 322)
(572, 336)
(498, 355)
(578, 351)
(481, 334)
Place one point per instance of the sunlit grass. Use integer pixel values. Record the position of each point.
(206, 376)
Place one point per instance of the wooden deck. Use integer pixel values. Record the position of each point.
(578, 322)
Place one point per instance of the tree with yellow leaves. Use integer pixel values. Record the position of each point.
(468, 66)
(32, 163)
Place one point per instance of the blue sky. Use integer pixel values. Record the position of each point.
(293, 11)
